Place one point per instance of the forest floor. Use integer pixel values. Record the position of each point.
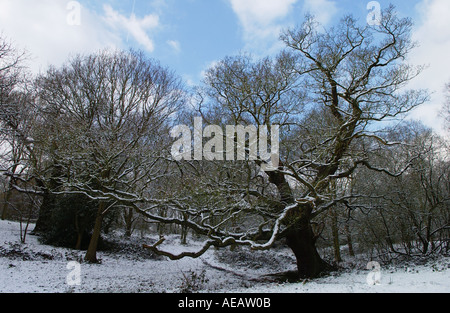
(36, 268)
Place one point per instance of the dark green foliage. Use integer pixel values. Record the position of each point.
(71, 222)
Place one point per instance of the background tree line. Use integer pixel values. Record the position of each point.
(88, 143)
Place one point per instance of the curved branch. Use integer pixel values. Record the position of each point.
(174, 257)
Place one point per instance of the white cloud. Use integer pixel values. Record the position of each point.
(433, 34)
(323, 10)
(46, 30)
(175, 45)
(136, 27)
(42, 28)
(261, 20)
(261, 12)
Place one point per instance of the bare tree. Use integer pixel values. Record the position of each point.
(406, 215)
(352, 77)
(15, 116)
(446, 110)
(11, 68)
(102, 117)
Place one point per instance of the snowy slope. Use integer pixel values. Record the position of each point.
(34, 267)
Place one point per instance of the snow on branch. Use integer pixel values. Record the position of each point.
(174, 257)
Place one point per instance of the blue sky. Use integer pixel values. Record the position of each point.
(192, 34)
(188, 36)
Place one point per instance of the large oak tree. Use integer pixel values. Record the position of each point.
(328, 91)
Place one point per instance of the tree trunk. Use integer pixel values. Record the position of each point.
(300, 238)
(48, 202)
(7, 197)
(91, 254)
(79, 233)
(302, 242)
(79, 241)
(45, 213)
(351, 252)
(184, 230)
(128, 216)
(335, 232)
(8, 192)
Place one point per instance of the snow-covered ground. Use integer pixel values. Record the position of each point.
(34, 267)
